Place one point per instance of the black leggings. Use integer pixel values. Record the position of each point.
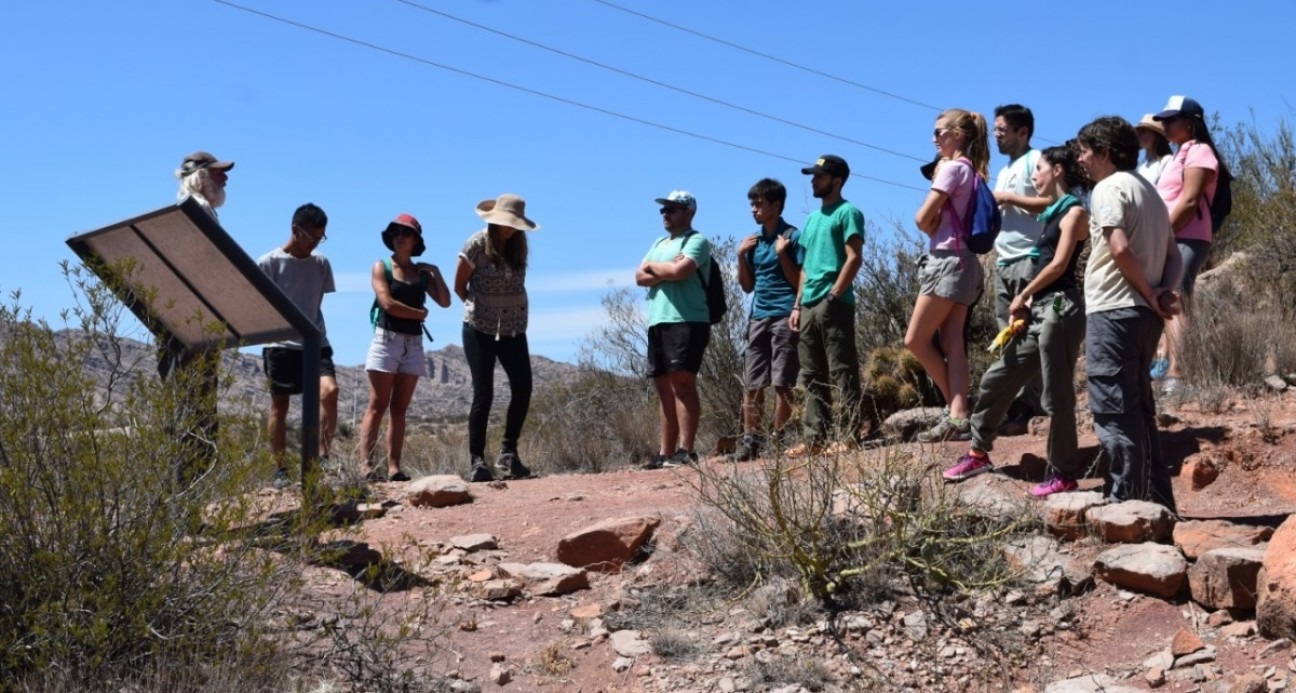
(482, 351)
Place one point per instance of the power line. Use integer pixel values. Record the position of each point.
(533, 92)
(775, 58)
(767, 56)
(659, 83)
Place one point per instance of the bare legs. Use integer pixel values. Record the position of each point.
(387, 392)
(677, 393)
(947, 365)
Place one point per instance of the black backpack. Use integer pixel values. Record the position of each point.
(1222, 204)
(714, 289)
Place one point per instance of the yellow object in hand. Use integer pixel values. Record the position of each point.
(1005, 335)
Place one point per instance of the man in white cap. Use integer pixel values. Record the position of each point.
(675, 271)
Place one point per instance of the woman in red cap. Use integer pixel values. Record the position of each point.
(395, 360)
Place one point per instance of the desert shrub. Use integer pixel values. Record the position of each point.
(101, 573)
(1225, 346)
(846, 525)
(592, 423)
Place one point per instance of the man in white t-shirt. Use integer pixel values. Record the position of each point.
(1014, 125)
(1129, 292)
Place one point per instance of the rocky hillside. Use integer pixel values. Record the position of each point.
(445, 394)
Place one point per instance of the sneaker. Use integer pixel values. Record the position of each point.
(968, 466)
(658, 461)
(480, 472)
(1055, 483)
(510, 465)
(684, 457)
(949, 428)
(748, 450)
(1160, 366)
(281, 479)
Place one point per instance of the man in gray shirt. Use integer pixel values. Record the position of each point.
(304, 276)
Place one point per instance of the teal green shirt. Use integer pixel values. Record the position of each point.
(823, 241)
(683, 300)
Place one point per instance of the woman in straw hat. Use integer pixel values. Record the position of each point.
(1156, 149)
(395, 360)
(491, 281)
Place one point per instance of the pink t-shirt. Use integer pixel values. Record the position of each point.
(1171, 184)
(955, 179)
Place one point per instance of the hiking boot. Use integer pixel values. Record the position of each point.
(968, 466)
(748, 450)
(658, 461)
(1054, 483)
(281, 480)
(508, 464)
(949, 428)
(480, 472)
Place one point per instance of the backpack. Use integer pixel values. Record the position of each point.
(716, 302)
(1222, 205)
(983, 219)
(375, 311)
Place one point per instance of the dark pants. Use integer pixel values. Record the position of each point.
(1009, 281)
(1119, 349)
(482, 351)
(1049, 349)
(829, 361)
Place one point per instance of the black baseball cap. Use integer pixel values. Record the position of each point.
(831, 164)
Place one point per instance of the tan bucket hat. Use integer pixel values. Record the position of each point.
(506, 210)
(1148, 124)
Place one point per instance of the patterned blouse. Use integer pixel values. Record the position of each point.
(497, 298)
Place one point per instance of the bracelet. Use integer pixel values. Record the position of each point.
(796, 307)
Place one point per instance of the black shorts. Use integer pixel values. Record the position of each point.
(283, 366)
(677, 346)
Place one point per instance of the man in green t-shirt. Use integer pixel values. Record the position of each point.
(824, 312)
(679, 325)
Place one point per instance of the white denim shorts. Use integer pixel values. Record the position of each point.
(395, 352)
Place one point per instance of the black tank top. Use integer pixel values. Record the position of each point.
(411, 295)
(1048, 247)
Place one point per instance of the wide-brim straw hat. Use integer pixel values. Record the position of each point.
(1148, 124)
(404, 221)
(506, 210)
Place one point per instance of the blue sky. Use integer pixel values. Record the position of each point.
(102, 100)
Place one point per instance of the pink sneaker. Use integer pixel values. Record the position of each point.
(967, 467)
(1054, 484)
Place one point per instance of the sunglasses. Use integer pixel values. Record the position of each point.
(940, 131)
(314, 239)
(670, 210)
(404, 231)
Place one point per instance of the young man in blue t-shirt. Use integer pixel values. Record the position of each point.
(769, 269)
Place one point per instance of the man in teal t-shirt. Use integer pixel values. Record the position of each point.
(824, 313)
(679, 325)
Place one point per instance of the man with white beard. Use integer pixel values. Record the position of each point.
(202, 177)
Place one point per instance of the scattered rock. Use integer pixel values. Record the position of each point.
(500, 674)
(622, 663)
(1276, 383)
(1064, 513)
(1153, 569)
(1226, 578)
(547, 578)
(1196, 537)
(1202, 470)
(904, 425)
(475, 542)
(1089, 683)
(607, 545)
(993, 496)
(629, 643)
(1131, 522)
(1202, 656)
(1249, 682)
(585, 612)
(916, 625)
(351, 555)
(1042, 561)
(496, 590)
(1276, 593)
(1276, 646)
(1155, 677)
(1241, 629)
(438, 491)
(1185, 642)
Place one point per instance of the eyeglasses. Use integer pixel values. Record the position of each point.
(670, 210)
(314, 239)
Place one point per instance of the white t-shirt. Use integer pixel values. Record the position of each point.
(1151, 169)
(305, 280)
(1020, 229)
(1127, 201)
